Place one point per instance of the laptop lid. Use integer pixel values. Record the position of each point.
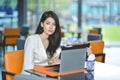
(72, 59)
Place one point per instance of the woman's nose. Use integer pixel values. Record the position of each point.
(51, 26)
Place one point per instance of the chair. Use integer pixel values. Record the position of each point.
(13, 62)
(20, 44)
(97, 48)
(10, 35)
(93, 37)
(94, 34)
(93, 31)
(99, 29)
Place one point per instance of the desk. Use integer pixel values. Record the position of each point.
(102, 72)
(31, 77)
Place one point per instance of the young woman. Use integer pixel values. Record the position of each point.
(43, 48)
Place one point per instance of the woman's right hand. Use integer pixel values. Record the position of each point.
(55, 61)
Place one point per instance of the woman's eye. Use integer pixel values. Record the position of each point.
(47, 22)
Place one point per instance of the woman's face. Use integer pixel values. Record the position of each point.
(49, 26)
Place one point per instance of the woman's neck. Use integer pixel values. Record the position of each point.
(44, 39)
(44, 36)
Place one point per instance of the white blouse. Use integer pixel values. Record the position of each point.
(35, 53)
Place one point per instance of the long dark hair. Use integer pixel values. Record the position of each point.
(55, 38)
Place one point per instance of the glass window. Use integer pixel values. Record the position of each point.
(8, 13)
(65, 9)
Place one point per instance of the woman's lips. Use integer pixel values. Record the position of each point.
(50, 30)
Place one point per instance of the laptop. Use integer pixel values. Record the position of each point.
(72, 59)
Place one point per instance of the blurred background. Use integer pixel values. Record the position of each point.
(73, 15)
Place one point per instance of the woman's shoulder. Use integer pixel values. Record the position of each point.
(33, 36)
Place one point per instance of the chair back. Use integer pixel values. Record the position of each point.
(97, 48)
(99, 29)
(93, 31)
(93, 37)
(10, 35)
(13, 63)
(20, 44)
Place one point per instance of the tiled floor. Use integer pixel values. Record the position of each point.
(112, 56)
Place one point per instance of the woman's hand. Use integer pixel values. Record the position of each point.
(55, 61)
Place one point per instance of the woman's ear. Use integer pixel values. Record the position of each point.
(41, 24)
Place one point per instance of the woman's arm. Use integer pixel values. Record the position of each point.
(28, 54)
(55, 59)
